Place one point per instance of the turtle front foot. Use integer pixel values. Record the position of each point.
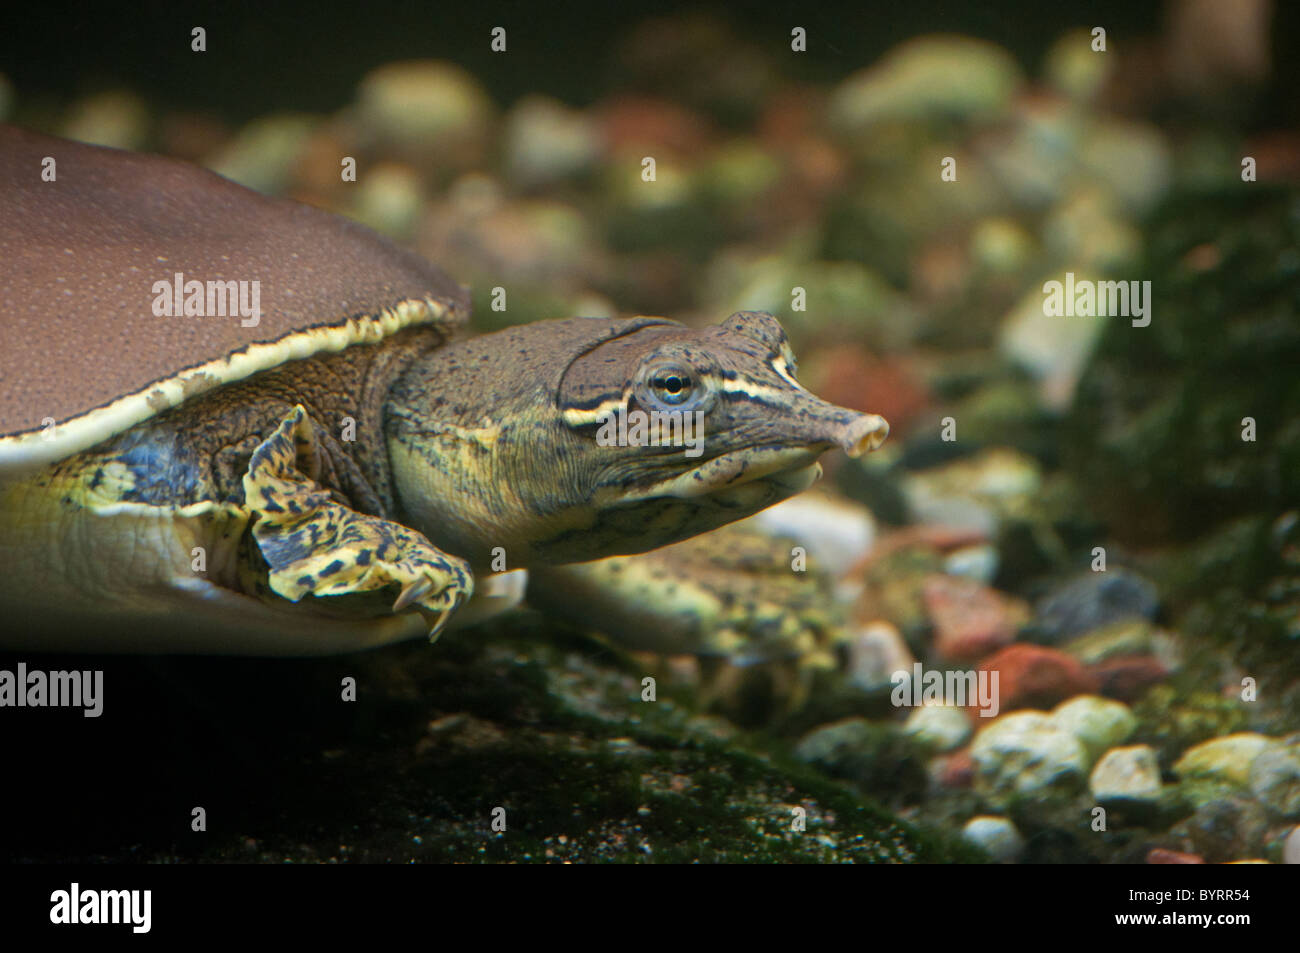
(315, 546)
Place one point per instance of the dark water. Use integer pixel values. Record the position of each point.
(308, 55)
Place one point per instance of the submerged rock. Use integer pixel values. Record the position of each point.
(1054, 350)
(979, 493)
(1092, 600)
(1291, 847)
(1173, 722)
(1031, 675)
(1130, 773)
(875, 653)
(939, 727)
(1227, 759)
(970, 620)
(1027, 754)
(546, 142)
(1226, 828)
(996, 836)
(263, 154)
(1275, 778)
(116, 118)
(1099, 723)
(1074, 68)
(878, 758)
(925, 78)
(428, 109)
(1127, 638)
(389, 199)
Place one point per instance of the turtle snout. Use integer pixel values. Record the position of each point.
(863, 433)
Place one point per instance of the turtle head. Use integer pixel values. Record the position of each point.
(577, 439)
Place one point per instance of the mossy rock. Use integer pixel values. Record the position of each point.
(1171, 723)
(541, 722)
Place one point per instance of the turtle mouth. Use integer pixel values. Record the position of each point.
(762, 491)
(742, 478)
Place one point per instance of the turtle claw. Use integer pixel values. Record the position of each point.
(438, 625)
(414, 591)
(440, 617)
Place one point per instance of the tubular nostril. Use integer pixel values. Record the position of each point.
(866, 433)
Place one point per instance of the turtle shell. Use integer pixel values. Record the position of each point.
(86, 235)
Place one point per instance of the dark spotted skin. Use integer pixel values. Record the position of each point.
(318, 547)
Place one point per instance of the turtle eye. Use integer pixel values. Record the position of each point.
(672, 385)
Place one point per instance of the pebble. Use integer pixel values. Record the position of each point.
(1275, 779)
(1227, 827)
(997, 836)
(1226, 759)
(829, 745)
(1131, 637)
(979, 563)
(1127, 678)
(1053, 350)
(837, 535)
(970, 619)
(1074, 68)
(426, 105)
(1031, 675)
(1093, 600)
(956, 770)
(1099, 723)
(546, 142)
(928, 77)
(1088, 229)
(1026, 753)
(1025, 157)
(115, 118)
(847, 291)
(876, 652)
(389, 199)
(975, 493)
(1130, 158)
(851, 376)
(1001, 245)
(741, 174)
(263, 154)
(633, 124)
(893, 588)
(1130, 773)
(940, 727)
(544, 245)
(1291, 847)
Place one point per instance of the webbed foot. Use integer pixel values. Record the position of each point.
(316, 546)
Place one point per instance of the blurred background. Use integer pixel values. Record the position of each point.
(818, 169)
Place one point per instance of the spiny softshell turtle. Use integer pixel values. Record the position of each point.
(328, 473)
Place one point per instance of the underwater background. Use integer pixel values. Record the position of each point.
(1104, 512)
